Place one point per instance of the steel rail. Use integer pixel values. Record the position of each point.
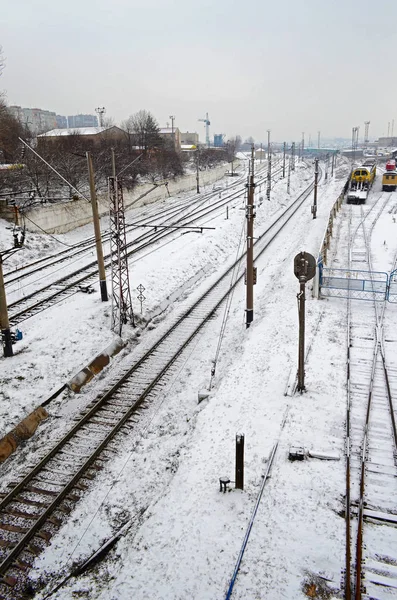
(12, 496)
(84, 245)
(377, 349)
(150, 237)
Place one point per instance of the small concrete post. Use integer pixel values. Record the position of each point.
(239, 462)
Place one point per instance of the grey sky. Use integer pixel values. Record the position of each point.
(290, 66)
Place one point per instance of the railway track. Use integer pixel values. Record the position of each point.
(64, 287)
(371, 467)
(89, 243)
(32, 509)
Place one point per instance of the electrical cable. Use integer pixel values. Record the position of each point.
(46, 232)
(228, 305)
(116, 480)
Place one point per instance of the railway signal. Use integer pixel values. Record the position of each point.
(304, 270)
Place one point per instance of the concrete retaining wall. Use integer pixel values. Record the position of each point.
(60, 218)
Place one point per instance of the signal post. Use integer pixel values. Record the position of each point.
(304, 270)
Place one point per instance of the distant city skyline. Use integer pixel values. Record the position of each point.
(288, 67)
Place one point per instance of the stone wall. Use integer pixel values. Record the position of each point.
(63, 217)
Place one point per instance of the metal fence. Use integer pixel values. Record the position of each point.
(355, 284)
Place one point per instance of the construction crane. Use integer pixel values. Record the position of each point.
(207, 129)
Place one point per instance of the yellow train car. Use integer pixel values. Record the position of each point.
(363, 177)
(389, 181)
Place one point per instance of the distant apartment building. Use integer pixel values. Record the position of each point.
(62, 122)
(36, 119)
(189, 139)
(82, 121)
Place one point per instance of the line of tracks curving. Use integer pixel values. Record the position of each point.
(371, 435)
(32, 509)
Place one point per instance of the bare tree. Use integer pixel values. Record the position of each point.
(2, 60)
(144, 130)
(10, 130)
(232, 146)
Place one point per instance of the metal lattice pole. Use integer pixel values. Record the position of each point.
(121, 296)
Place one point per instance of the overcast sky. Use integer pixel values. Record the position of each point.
(285, 65)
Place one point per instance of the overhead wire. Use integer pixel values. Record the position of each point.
(228, 305)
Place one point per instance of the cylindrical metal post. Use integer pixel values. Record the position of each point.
(289, 175)
(197, 170)
(97, 230)
(113, 163)
(4, 322)
(314, 207)
(239, 476)
(269, 166)
(250, 246)
(301, 353)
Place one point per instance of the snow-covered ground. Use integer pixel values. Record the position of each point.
(184, 535)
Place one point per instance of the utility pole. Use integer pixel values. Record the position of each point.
(289, 174)
(314, 207)
(293, 156)
(97, 230)
(250, 215)
(332, 165)
(355, 131)
(198, 170)
(121, 295)
(303, 143)
(318, 140)
(388, 129)
(366, 137)
(269, 166)
(4, 322)
(326, 167)
(113, 163)
(283, 160)
(172, 117)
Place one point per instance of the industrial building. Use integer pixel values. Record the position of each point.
(173, 134)
(93, 135)
(189, 139)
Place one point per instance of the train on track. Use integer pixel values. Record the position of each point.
(389, 181)
(361, 181)
(391, 165)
